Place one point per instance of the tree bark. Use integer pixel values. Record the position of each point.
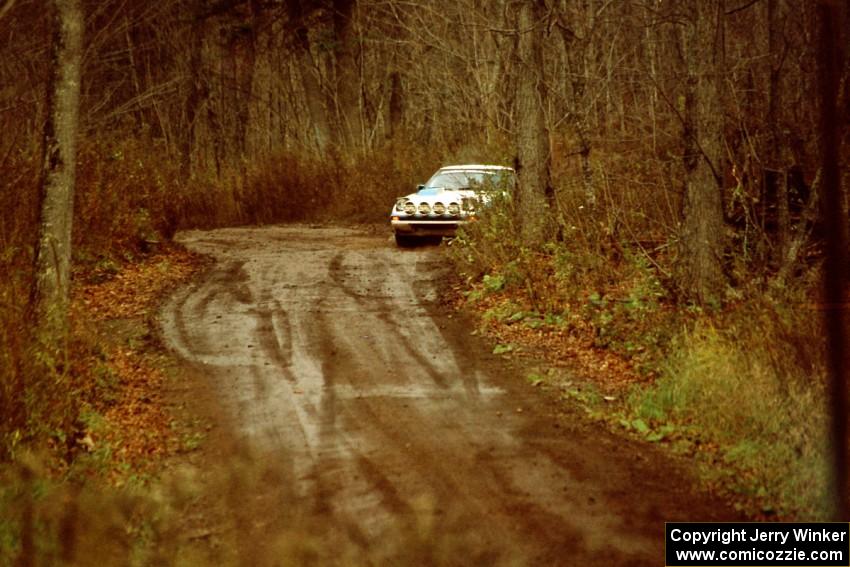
(51, 284)
(575, 51)
(535, 195)
(347, 77)
(777, 175)
(396, 106)
(309, 79)
(835, 271)
(197, 93)
(700, 270)
(259, 134)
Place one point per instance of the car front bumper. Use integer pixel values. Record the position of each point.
(415, 227)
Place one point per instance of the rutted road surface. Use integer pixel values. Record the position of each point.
(331, 353)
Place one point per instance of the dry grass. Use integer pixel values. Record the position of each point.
(752, 383)
(130, 198)
(742, 387)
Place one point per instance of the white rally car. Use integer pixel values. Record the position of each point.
(453, 196)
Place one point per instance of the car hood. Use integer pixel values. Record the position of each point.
(435, 194)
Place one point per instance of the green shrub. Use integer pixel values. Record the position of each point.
(752, 384)
(746, 379)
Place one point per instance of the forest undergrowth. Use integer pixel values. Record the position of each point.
(87, 428)
(683, 318)
(739, 385)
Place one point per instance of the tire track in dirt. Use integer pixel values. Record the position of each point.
(339, 275)
(478, 495)
(340, 493)
(332, 355)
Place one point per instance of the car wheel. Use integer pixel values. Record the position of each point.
(404, 240)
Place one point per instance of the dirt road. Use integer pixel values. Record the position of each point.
(331, 354)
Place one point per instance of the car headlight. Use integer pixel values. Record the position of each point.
(468, 204)
(409, 208)
(399, 205)
(424, 208)
(454, 209)
(439, 208)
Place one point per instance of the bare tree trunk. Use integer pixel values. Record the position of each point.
(396, 106)
(700, 269)
(134, 73)
(309, 79)
(259, 133)
(244, 56)
(53, 249)
(778, 174)
(535, 196)
(577, 65)
(506, 61)
(347, 77)
(194, 99)
(835, 262)
(314, 96)
(651, 57)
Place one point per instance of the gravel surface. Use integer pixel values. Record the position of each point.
(331, 355)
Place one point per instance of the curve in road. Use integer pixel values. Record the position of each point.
(331, 352)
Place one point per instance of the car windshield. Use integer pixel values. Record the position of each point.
(477, 180)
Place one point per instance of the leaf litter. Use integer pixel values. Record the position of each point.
(133, 428)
